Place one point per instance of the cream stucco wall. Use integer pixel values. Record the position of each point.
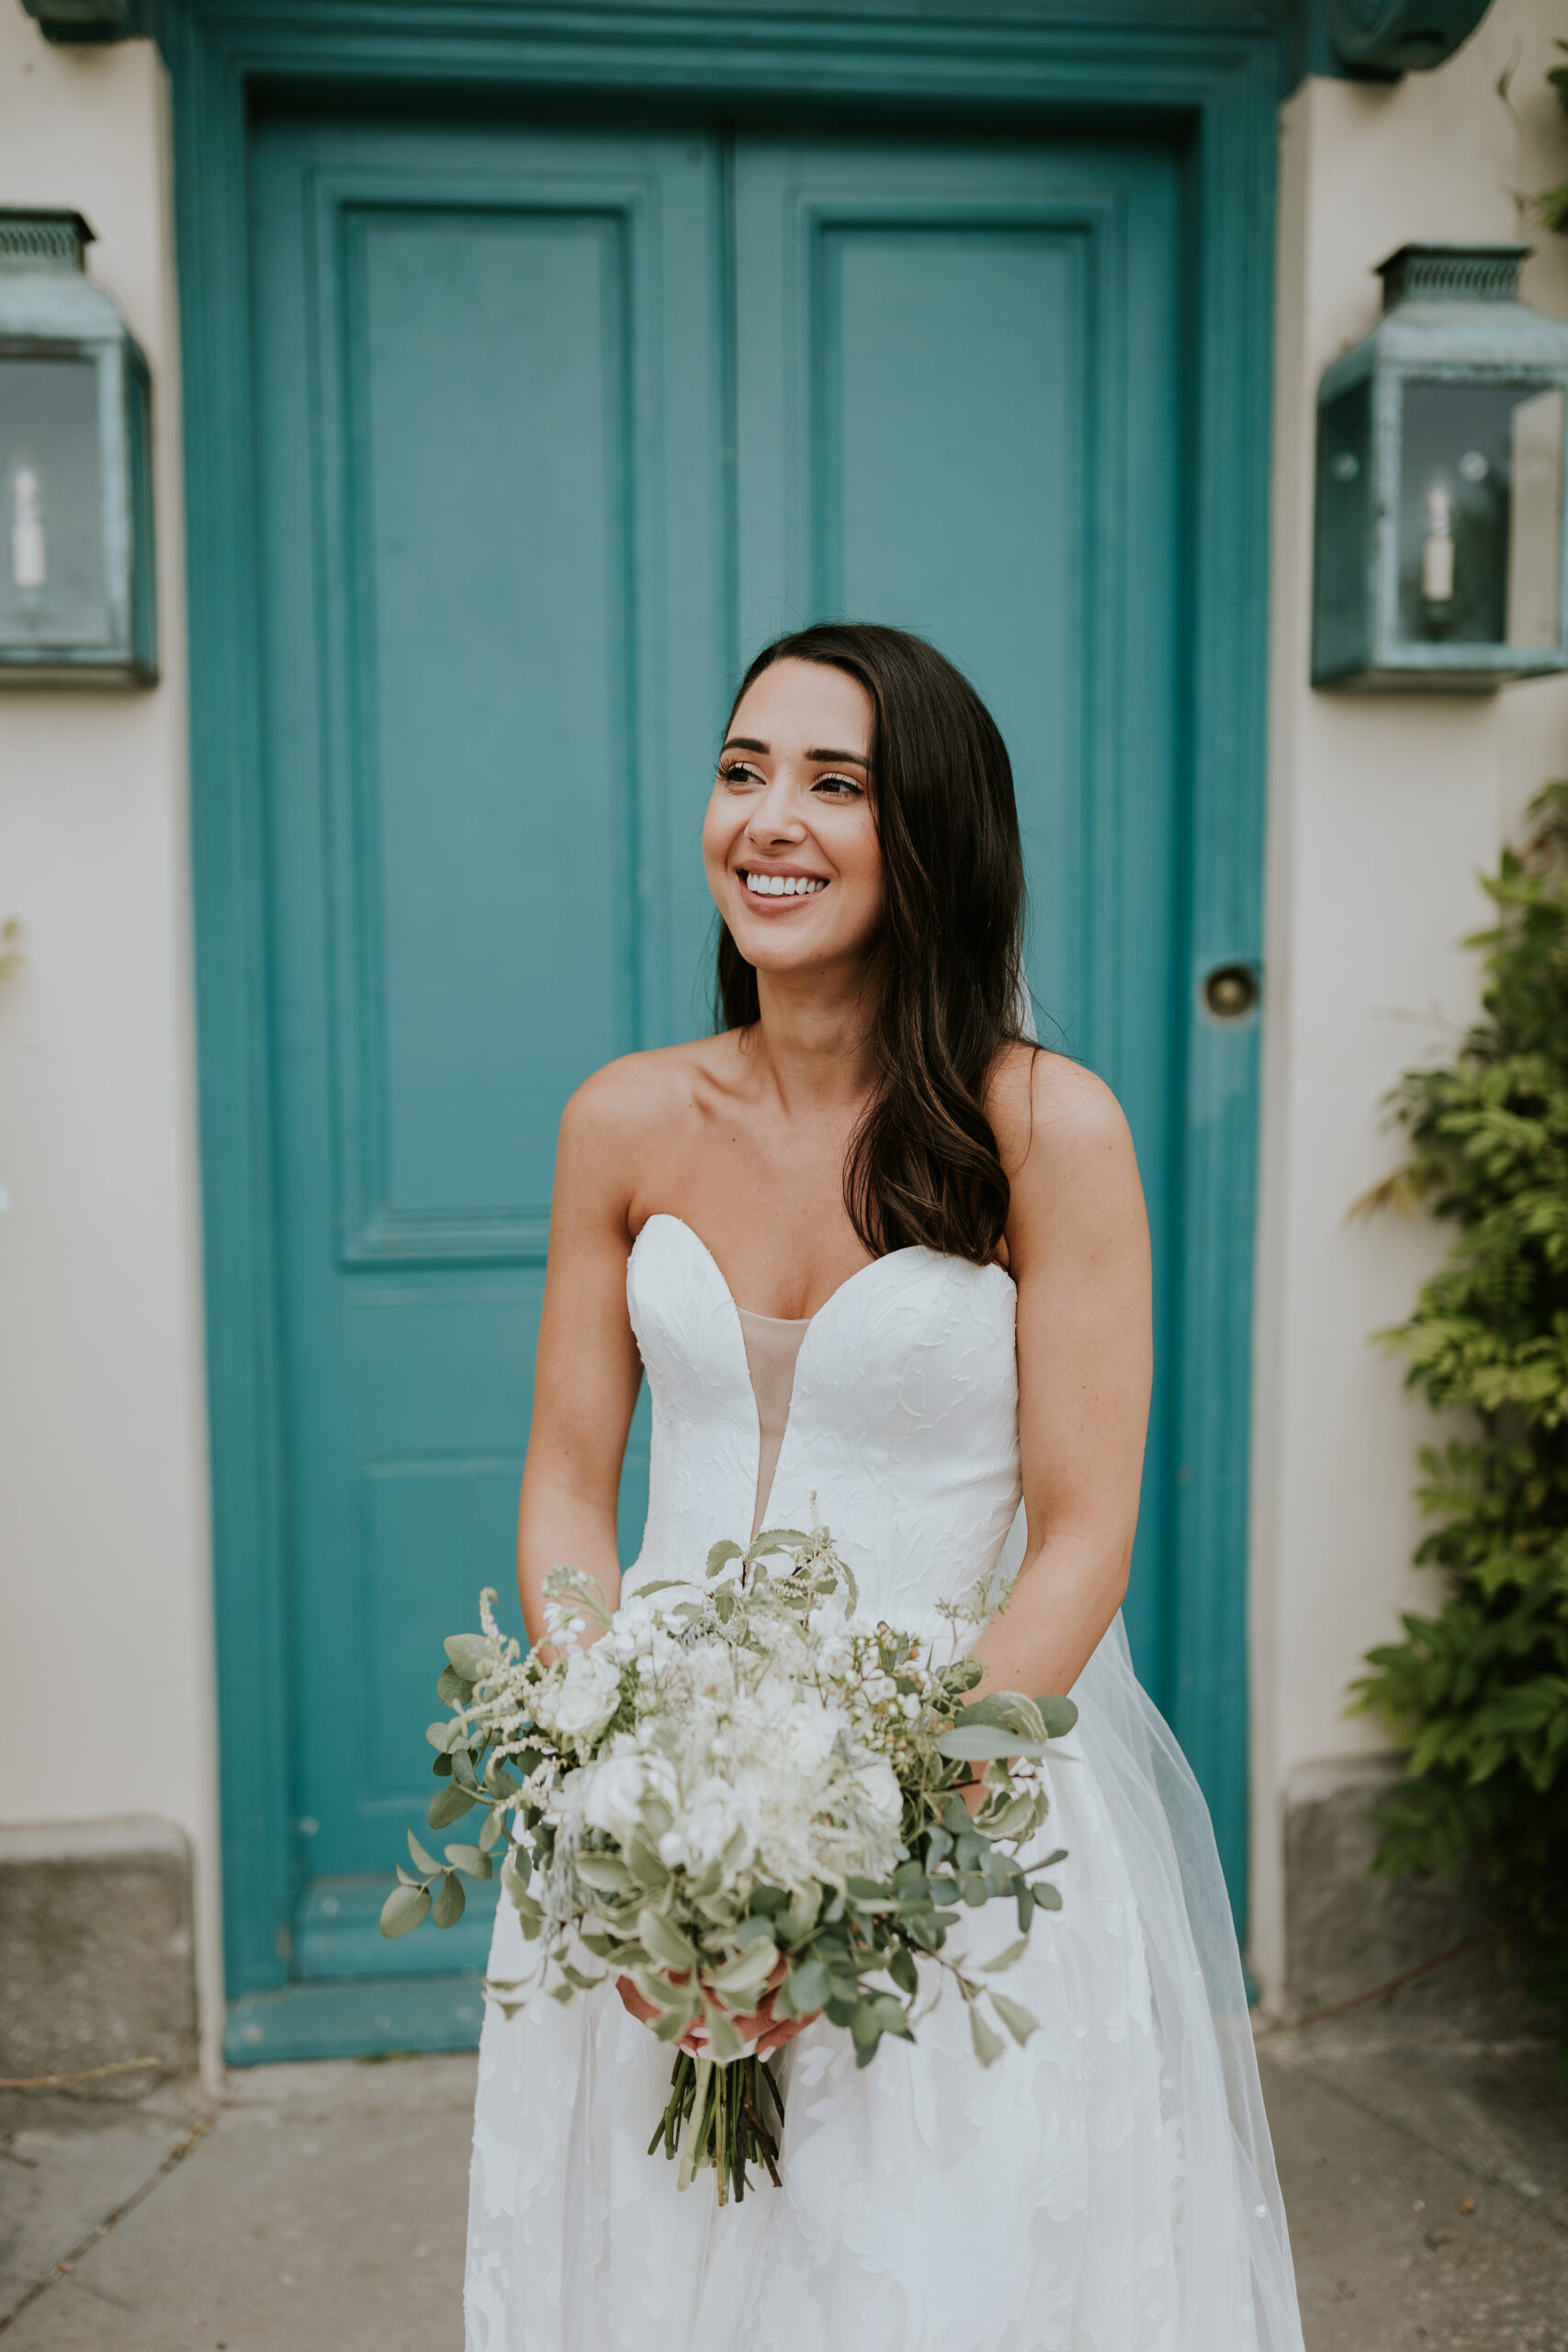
(106, 1672)
(1381, 811)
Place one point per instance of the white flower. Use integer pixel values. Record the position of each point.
(580, 1697)
(610, 1790)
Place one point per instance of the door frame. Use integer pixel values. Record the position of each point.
(1209, 73)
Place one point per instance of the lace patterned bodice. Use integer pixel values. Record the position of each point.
(903, 1422)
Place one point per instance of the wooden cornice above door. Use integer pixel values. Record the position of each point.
(1375, 40)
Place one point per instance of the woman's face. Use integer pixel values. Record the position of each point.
(790, 847)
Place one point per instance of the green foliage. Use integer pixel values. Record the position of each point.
(1477, 1693)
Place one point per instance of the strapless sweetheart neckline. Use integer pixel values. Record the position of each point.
(910, 1250)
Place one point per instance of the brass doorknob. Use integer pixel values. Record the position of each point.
(1230, 991)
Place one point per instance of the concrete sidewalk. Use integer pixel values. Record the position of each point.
(321, 2209)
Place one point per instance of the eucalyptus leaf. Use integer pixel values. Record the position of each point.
(806, 1985)
(470, 1859)
(1046, 1897)
(745, 1978)
(451, 1688)
(865, 2026)
(1058, 1715)
(988, 2043)
(902, 1969)
(449, 1901)
(971, 1743)
(606, 1873)
(1008, 1959)
(448, 1804)
(469, 1653)
(1008, 1709)
(802, 1915)
(403, 1909)
(426, 1862)
(723, 2040)
(1015, 2017)
(720, 1556)
(649, 1871)
(664, 1940)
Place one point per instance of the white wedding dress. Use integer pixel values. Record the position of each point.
(1107, 2187)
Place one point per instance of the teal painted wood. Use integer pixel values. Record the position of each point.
(1212, 75)
(487, 377)
(960, 394)
(361, 2017)
(1322, 37)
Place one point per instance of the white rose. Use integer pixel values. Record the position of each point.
(585, 1698)
(877, 1793)
(613, 1795)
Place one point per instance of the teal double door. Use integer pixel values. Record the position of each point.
(555, 426)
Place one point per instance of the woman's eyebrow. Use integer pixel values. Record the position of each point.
(751, 743)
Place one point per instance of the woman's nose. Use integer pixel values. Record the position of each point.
(776, 816)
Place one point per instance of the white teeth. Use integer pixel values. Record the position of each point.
(783, 885)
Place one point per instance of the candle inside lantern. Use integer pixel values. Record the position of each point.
(30, 548)
(1437, 547)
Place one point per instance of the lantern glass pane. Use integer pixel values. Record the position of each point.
(51, 524)
(1535, 526)
(1481, 513)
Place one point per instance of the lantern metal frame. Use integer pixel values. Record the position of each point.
(50, 310)
(1451, 316)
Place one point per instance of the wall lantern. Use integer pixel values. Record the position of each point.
(1440, 437)
(1378, 40)
(76, 604)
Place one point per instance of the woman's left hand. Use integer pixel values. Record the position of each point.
(768, 2031)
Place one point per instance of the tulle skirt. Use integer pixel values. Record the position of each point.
(1109, 2187)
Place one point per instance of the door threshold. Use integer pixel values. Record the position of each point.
(361, 2017)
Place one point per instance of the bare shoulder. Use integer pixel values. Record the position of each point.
(1051, 1115)
(634, 1099)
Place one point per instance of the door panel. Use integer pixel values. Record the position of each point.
(960, 400)
(487, 385)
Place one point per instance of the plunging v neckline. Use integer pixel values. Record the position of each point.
(911, 1249)
(807, 1323)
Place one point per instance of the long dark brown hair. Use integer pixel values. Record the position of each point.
(923, 1165)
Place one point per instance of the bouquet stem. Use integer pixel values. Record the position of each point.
(716, 2115)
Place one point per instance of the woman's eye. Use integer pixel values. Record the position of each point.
(841, 786)
(737, 771)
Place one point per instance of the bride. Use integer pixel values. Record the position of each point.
(870, 1245)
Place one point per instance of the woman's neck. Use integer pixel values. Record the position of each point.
(812, 1042)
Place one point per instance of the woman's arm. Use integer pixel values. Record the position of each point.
(586, 1369)
(1078, 1249)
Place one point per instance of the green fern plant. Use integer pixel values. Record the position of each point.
(1476, 1694)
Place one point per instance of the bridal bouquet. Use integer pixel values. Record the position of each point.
(748, 1799)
